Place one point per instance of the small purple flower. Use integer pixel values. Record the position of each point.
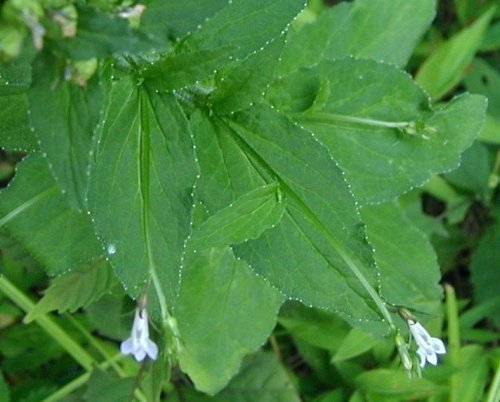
(139, 343)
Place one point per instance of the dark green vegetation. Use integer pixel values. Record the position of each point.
(277, 181)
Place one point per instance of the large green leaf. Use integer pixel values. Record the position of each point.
(360, 110)
(377, 29)
(38, 216)
(142, 178)
(318, 253)
(64, 116)
(224, 312)
(246, 218)
(409, 272)
(239, 29)
(446, 66)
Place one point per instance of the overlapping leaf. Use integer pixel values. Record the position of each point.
(310, 254)
(355, 108)
(239, 29)
(15, 132)
(224, 312)
(409, 272)
(246, 218)
(143, 174)
(100, 34)
(64, 122)
(377, 29)
(38, 216)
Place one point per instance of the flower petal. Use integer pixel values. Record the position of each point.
(139, 354)
(423, 356)
(438, 345)
(151, 349)
(127, 346)
(432, 357)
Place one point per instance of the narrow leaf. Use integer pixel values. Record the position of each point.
(446, 66)
(246, 218)
(395, 383)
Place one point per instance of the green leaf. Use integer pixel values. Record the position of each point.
(319, 328)
(4, 390)
(472, 378)
(76, 289)
(409, 272)
(484, 79)
(142, 179)
(446, 66)
(396, 384)
(100, 35)
(102, 387)
(345, 103)
(243, 83)
(354, 344)
(15, 77)
(233, 33)
(318, 253)
(484, 263)
(224, 312)
(38, 216)
(262, 378)
(246, 218)
(15, 133)
(64, 116)
(491, 40)
(376, 29)
(171, 19)
(474, 171)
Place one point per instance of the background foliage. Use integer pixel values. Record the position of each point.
(279, 178)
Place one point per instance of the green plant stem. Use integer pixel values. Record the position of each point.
(79, 381)
(453, 339)
(82, 380)
(48, 324)
(332, 118)
(97, 346)
(494, 391)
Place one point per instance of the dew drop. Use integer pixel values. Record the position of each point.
(111, 249)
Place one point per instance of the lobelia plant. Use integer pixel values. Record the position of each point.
(218, 158)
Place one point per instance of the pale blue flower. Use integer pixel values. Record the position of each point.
(139, 343)
(428, 347)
